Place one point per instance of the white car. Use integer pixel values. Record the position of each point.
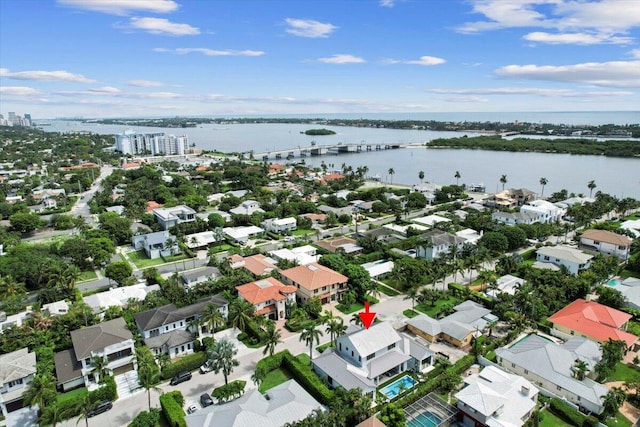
(191, 409)
(204, 369)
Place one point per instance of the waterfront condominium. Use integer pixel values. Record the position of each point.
(153, 144)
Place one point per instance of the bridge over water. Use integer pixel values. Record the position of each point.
(334, 149)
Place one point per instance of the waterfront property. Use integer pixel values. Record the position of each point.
(17, 370)
(495, 397)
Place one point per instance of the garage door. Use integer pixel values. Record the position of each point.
(123, 369)
(14, 406)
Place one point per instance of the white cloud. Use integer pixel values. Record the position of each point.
(45, 76)
(424, 60)
(576, 38)
(578, 22)
(609, 74)
(209, 52)
(465, 99)
(122, 7)
(309, 28)
(387, 3)
(163, 26)
(18, 91)
(548, 92)
(145, 83)
(342, 59)
(635, 53)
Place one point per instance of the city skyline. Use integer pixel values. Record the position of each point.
(126, 58)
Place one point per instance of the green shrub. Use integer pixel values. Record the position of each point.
(190, 362)
(566, 412)
(232, 390)
(172, 410)
(147, 419)
(308, 379)
(109, 391)
(268, 364)
(255, 331)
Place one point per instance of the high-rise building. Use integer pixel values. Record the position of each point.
(152, 144)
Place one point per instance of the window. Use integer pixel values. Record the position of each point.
(573, 333)
(166, 328)
(526, 371)
(181, 323)
(578, 398)
(595, 242)
(391, 346)
(371, 356)
(513, 365)
(558, 388)
(546, 258)
(15, 383)
(175, 351)
(351, 353)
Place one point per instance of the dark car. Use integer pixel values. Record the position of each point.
(206, 400)
(102, 407)
(180, 378)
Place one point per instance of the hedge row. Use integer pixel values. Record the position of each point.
(254, 330)
(308, 379)
(190, 362)
(172, 408)
(270, 363)
(232, 390)
(570, 415)
(109, 391)
(147, 419)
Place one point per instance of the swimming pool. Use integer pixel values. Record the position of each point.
(425, 419)
(614, 282)
(393, 389)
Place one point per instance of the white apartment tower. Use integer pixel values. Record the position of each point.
(153, 144)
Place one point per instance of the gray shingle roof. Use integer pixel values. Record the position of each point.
(67, 366)
(342, 372)
(367, 341)
(17, 364)
(169, 313)
(99, 336)
(170, 339)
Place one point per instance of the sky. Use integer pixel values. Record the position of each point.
(134, 58)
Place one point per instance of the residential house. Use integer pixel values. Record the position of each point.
(607, 242)
(507, 284)
(170, 217)
(514, 218)
(156, 245)
(259, 265)
(511, 198)
(633, 226)
(110, 340)
(119, 209)
(469, 235)
(248, 207)
(574, 201)
(46, 193)
(242, 234)
(205, 215)
(347, 210)
(204, 238)
(280, 225)
(365, 358)
(269, 296)
(281, 405)
(437, 243)
(469, 320)
(199, 275)
(430, 220)
(593, 321)
(551, 366)
(165, 329)
(302, 255)
(235, 261)
(118, 297)
(546, 212)
(630, 289)
(496, 398)
(315, 218)
(345, 244)
(378, 268)
(573, 259)
(17, 369)
(313, 280)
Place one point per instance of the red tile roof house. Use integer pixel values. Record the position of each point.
(269, 296)
(259, 265)
(592, 320)
(316, 280)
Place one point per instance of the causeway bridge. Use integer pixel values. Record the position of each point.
(333, 149)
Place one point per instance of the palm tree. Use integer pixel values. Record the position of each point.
(51, 415)
(412, 294)
(163, 360)
(148, 371)
(421, 176)
(591, 185)
(41, 391)
(99, 364)
(457, 176)
(355, 319)
(309, 334)
(83, 405)
(336, 328)
(487, 276)
(212, 317)
(391, 172)
(580, 369)
(543, 182)
(220, 357)
(273, 339)
(503, 180)
(241, 313)
(613, 400)
(10, 288)
(193, 325)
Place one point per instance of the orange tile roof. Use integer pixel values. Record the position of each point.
(235, 258)
(313, 276)
(265, 290)
(264, 310)
(332, 176)
(131, 165)
(607, 237)
(151, 205)
(258, 265)
(594, 320)
(202, 168)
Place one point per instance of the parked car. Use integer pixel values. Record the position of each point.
(205, 368)
(191, 409)
(180, 378)
(206, 400)
(100, 408)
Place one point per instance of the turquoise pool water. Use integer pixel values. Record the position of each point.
(613, 282)
(393, 389)
(426, 419)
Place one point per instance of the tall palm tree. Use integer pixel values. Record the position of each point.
(99, 364)
(335, 328)
(543, 182)
(273, 339)
(613, 400)
(41, 391)
(503, 180)
(51, 415)
(412, 294)
(240, 313)
(591, 185)
(457, 176)
(355, 319)
(421, 176)
(10, 288)
(391, 172)
(309, 334)
(83, 405)
(580, 369)
(194, 325)
(163, 360)
(148, 371)
(220, 357)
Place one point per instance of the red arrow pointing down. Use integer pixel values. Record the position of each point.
(366, 316)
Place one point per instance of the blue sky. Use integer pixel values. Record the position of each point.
(126, 58)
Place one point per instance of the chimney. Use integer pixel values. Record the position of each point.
(524, 390)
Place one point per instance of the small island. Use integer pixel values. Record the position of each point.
(315, 132)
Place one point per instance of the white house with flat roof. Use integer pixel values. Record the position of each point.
(301, 255)
(430, 220)
(546, 212)
(280, 225)
(242, 234)
(248, 207)
(169, 217)
(573, 259)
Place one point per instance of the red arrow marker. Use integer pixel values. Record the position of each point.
(366, 316)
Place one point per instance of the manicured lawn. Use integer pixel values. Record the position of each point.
(354, 307)
(388, 291)
(619, 421)
(302, 232)
(220, 248)
(633, 327)
(139, 258)
(85, 276)
(304, 358)
(624, 373)
(323, 347)
(628, 273)
(410, 313)
(550, 420)
(433, 311)
(73, 394)
(273, 378)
